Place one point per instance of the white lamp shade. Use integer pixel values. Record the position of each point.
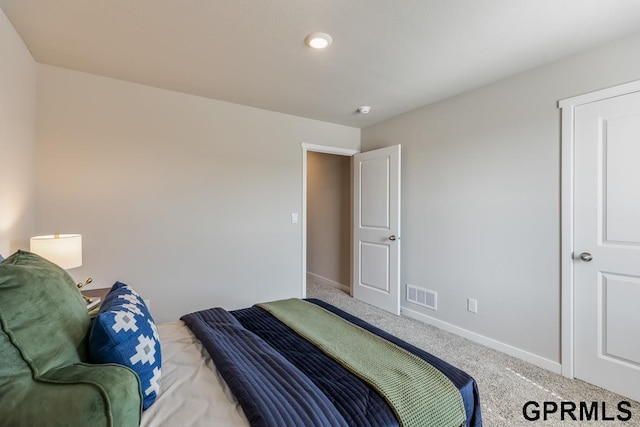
(62, 249)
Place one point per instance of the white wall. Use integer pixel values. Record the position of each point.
(187, 199)
(481, 197)
(329, 217)
(17, 140)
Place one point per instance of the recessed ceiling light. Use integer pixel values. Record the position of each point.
(318, 40)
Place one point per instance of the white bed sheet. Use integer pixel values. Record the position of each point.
(192, 392)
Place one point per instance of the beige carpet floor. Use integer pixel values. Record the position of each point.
(506, 384)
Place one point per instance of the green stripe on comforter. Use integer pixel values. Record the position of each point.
(418, 393)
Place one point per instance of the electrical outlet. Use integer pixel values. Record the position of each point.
(472, 305)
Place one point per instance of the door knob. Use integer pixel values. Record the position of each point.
(586, 256)
(392, 237)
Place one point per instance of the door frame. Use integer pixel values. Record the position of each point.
(567, 107)
(318, 149)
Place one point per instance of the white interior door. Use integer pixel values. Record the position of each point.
(376, 228)
(607, 244)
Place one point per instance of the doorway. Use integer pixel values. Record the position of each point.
(601, 238)
(331, 262)
(329, 220)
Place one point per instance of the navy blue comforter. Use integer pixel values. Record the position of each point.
(281, 380)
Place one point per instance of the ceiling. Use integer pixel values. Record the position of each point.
(393, 55)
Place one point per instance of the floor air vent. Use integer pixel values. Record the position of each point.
(423, 297)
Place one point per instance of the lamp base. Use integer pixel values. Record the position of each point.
(85, 283)
(82, 285)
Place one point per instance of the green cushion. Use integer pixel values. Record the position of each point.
(43, 347)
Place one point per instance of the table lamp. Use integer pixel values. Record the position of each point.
(64, 250)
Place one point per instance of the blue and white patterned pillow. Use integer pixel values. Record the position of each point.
(124, 333)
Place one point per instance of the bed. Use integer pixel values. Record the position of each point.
(283, 363)
(190, 375)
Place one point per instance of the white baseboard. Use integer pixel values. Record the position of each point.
(330, 282)
(541, 362)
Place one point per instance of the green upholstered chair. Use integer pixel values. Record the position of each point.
(44, 377)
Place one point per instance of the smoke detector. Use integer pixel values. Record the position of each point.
(364, 109)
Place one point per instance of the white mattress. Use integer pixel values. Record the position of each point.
(192, 392)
